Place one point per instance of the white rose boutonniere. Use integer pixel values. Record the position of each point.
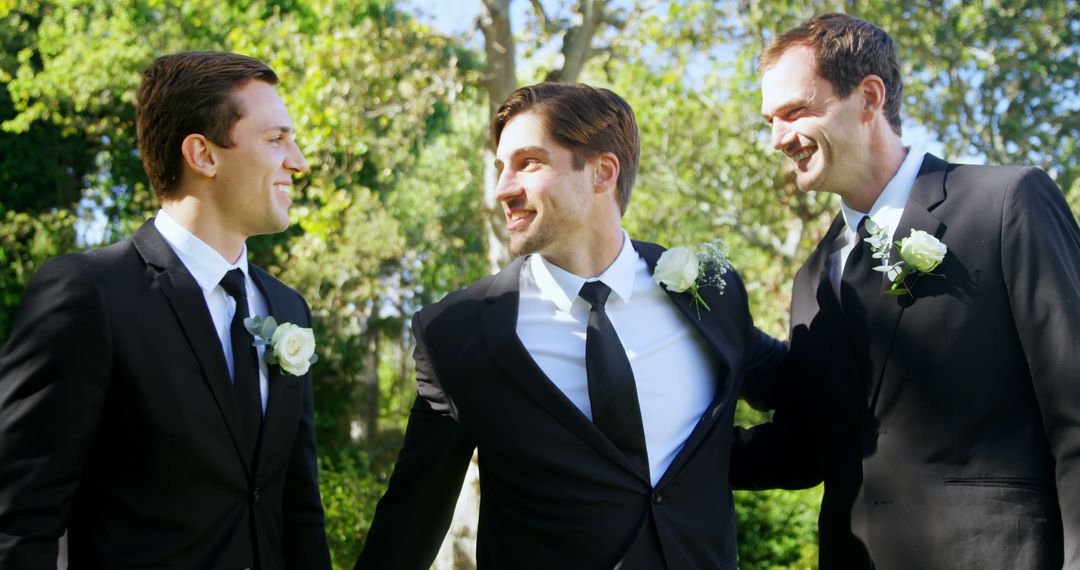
(681, 270)
(922, 251)
(677, 269)
(289, 346)
(920, 254)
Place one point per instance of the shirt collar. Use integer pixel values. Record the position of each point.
(562, 287)
(889, 206)
(204, 263)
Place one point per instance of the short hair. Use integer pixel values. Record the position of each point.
(846, 49)
(586, 120)
(185, 93)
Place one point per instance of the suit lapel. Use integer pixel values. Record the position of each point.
(821, 295)
(274, 419)
(708, 324)
(815, 307)
(926, 194)
(189, 307)
(499, 322)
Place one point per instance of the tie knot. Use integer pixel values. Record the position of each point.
(861, 228)
(233, 283)
(595, 293)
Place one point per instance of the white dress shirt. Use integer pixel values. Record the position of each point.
(208, 268)
(886, 212)
(674, 368)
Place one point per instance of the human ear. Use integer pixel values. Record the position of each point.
(199, 155)
(606, 171)
(872, 90)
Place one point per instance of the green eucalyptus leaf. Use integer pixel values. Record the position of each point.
(253, 325)
(268, 328)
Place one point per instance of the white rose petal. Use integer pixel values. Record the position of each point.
(293, 347)
(677, 269)
(922, 251)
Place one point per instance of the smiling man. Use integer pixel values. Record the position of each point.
(600, 403)
(942, 411)
(135, 413)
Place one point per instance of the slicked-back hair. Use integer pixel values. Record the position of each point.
(189, 93)
(583, 119)
(846, 49)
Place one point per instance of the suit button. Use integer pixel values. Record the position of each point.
(255, 495)
(657, 498)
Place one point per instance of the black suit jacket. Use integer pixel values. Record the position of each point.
(962, 449)
(555, 493)
(118, 422)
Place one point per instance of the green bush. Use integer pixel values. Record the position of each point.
(27, 241)
(777, 529)
(349, 493)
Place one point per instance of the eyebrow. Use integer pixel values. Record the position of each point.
(283, 129)
(537, 150)
(796, 101)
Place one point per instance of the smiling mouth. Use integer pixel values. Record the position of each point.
(283, 188)
(799, 157)
(517, 219)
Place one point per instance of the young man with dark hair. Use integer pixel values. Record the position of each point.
(939, 399)
(599, 402)
(135, 412)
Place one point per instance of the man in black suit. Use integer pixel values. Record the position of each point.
(135, 411)
(944, 420)
(603, 430)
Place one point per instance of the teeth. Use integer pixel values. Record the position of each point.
(284, 188)
(515, 216)
(802, 155)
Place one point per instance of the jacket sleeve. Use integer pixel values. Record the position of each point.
(413, 516)
(779, 454)
(1040, 246)
(54, 376)
(303, 541)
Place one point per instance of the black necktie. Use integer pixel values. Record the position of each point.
(245, 358)
(860, 288)
(612, 391)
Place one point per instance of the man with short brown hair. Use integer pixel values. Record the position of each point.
(936, 383)
(600, 403)
(135, 411)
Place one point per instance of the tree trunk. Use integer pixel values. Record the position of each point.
(371, 376)
(500, 81)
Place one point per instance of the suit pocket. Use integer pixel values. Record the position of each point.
(1003, 482)
(995, 522)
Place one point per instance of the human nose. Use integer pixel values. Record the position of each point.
(782, 133)
(507, 186)
(295, 160)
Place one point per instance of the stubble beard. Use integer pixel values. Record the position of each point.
(531, 242)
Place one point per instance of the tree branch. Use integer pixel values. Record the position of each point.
(501, 77)
(577, 41)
